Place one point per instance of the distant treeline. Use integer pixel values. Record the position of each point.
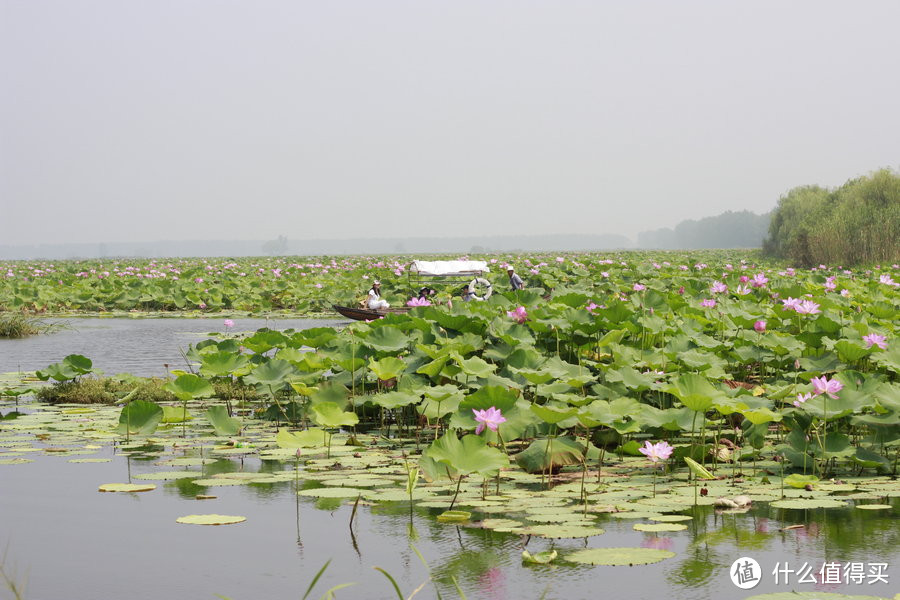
(857, 223)
(742, 229)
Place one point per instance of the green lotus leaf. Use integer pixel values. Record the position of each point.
(139, 417)
(694, 391)
(393, 399)
(387, 339)
(553, 414)
(565, 531)
(190, 386)
(330, 414)
(548, 454)
(222, 364)
(798, 481)
(273, 373)
(616, 557)
(471, 454)
(222, 423)
(487, 396)
(389, 367)
(806, 503)
(176, 414)
(310, 438)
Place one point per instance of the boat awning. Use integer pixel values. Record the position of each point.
(448, 268)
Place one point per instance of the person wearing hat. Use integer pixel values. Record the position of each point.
(376, 302)
(514, 280)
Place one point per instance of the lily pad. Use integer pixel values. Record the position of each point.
(803, 503)
(659, 527)
(126, 487)
(874, 506)
(565, 531)
(617, 557)
(210, 519)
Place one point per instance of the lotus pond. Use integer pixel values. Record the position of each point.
(487, 450)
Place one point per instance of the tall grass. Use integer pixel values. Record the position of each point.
(855, 224)
(17, 325)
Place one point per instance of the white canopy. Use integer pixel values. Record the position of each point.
(449, 267)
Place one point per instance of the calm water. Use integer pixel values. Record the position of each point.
(71, 542)
(136, 346)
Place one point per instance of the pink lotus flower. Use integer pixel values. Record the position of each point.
(318, 285)
(419, 302)
(639, 287)
(228, 323)
(708, 303)
(759, 326)
(742, 290)
(801, 398)
(808, 307)
(657, 452)
(744, 279)
(592, 306)
(822, 385)
(718, 288)
(489, 417)
(790, 303)
(681, 291)
(520, 315)
(887, 280)
(198, 280)
(873, 339)
(759, 280)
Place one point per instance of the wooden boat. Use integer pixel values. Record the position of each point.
(366, 314)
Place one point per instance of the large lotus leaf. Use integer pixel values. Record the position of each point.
(615, 312)
(391, 400)
(81, 364)
(264, 340)
(176, 414)
(471, 454)
(388, 367)
(550, 454)
(534, 376)
(221, 364)
(850, 352)
(672, 419)
(694, 391)
(799, 481)
(699, 360)
(72, 366)
(313, 338)
(868, 459)
(820, 364)
(888, 359)
(631, 378)
(525, 358)
(139, 418)
(273, 373)
(554, 414)
(223, 424)
(310, 438)
(489, 396)
(433, 368)
(331, 392)
(330, 414)
(190, 386)
(387, 339)
(476, 366)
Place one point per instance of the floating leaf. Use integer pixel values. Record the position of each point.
(126, 487)
(210, 519)
(616, 557)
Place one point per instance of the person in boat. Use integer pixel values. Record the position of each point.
(426, 293)
(468, 294)
(515, 282)
(376, 302)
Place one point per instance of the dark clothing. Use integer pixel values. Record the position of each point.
(516, 282)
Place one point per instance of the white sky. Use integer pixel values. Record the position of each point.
(212, 119)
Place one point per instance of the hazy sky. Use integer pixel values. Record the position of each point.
(212, 119)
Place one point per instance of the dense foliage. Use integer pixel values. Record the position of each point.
(857, 223)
